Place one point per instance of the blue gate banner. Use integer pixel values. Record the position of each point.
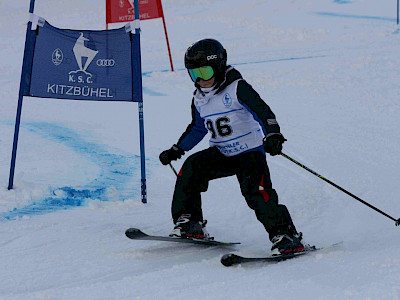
(81, 65)
(84, 65)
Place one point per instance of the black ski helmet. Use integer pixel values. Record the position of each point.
(207, 52)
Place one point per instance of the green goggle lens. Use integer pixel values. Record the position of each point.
(205, 73)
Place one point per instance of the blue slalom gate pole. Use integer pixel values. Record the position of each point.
(20, 99)
(138, 69)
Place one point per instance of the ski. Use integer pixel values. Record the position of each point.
(137, 234)
(232, 259)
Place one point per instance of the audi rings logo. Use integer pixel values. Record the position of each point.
(105, 62)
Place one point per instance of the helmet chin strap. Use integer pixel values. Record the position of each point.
(198, 87)
(220, 81)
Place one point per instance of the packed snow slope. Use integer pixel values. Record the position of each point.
(329, 69)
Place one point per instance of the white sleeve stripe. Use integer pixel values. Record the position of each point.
(272, 122)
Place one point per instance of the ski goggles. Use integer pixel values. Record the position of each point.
(205, 73)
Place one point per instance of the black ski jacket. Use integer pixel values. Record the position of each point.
(247, 96)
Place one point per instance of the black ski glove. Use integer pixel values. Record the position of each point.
(273, 143)
(171, 154)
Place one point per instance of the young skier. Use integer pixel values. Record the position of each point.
(242, 128)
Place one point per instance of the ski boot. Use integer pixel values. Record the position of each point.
(287, 243)
(186, 228)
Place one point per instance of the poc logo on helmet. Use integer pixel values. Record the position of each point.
(211, 57)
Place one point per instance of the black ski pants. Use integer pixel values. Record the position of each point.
(252, 172)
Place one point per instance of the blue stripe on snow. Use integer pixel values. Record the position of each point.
(342, 1)
(328, 14)
(116, 171)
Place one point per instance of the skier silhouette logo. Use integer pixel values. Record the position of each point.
(84, 56)
(131, 10)
(81, 52)
(227, 100)
(57, 57)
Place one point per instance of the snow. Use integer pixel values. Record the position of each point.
(328, 69)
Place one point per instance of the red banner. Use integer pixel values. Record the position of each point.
(123, 10)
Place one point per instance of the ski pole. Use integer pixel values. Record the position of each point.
(173, 169)
(397, 221)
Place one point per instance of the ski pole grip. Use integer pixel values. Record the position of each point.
(397, 222)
